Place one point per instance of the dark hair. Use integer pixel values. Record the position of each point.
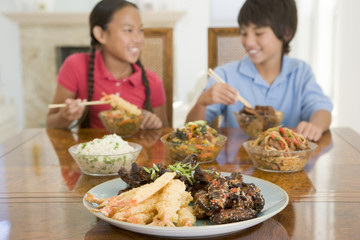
(279, 15)
(100, 16)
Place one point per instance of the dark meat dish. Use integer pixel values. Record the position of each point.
(228, 199)
(255, 121)
(188, 171)
(221, 199)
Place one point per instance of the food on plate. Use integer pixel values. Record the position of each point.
(221, 199)
(106, 155)
(195, 137)
(228, 199)
(124, 119)
(163, 202)
(188, 171)
(280, 149)
(256, 120)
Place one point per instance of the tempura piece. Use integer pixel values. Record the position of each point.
(149, 205)
(186, 217)
(169, 203)
(118, 103)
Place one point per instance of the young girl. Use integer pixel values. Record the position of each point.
(116, 30)
(267, 76)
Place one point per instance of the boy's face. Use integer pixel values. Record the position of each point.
(261, 44)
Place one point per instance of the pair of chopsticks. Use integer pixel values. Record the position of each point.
(85, 104)
(212, 74)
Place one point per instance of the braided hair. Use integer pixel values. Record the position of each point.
(101, 15)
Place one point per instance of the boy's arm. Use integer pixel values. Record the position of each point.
(218, 93)
(319, 122)
(196, 113)
(321, 119)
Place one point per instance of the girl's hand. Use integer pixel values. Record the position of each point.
(150, 120)
(309, 131)
(219, 93)
(73, 110)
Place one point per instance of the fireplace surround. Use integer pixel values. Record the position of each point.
(42, 35)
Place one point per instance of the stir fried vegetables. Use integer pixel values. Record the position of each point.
(120, 122)
(197, 132)
(195, 137)
(281, 139)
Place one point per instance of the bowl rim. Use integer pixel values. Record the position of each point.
(110, 110)
(238, 114)
(138, 147)
(162, 139)
(247, 147)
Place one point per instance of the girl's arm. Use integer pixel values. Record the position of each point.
(154, 120)
(63, 117)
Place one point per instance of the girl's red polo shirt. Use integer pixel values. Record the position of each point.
(73, 75)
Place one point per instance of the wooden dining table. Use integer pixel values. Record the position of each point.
(41, 187)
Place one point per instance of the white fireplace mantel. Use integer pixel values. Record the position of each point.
(149, 18)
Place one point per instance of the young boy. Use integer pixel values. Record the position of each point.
(267, 76)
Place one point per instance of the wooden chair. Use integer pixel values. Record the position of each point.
(224, 45)
(157, 56)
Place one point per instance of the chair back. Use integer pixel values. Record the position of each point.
(224, 45)
(157, 56)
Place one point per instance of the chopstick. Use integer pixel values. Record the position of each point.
(60, 105)
(213, 74)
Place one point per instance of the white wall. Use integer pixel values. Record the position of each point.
(348, 64)
(11, 90)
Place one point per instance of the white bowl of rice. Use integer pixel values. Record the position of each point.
(105, 156)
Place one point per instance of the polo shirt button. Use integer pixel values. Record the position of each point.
(124, 80)
(117, 84)
(117, 94)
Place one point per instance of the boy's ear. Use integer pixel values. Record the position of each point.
(288, 36)
(98, 34)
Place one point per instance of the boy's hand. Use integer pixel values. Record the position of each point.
(150, 120)
(219, 93)
(309, 131)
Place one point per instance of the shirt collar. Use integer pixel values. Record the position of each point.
(248, 68)
(104, 73)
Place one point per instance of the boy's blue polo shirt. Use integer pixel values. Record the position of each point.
(294, 92)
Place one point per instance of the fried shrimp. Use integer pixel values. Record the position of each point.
(169, 203)
(186, 217)
(149, 205)
(163, 202)
(118, 103)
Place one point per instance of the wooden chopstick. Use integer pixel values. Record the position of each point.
(217, 78)
(60, 105)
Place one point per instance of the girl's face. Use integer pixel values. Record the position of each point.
(261, 44)
(124, 36)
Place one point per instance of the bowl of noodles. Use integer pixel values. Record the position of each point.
(255, 121)
(194, 138)
(280, 149)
